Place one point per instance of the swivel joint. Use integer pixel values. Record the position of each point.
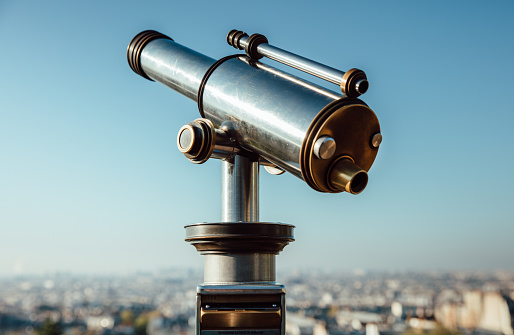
(199, 140)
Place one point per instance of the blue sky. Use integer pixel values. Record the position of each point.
(91, 179)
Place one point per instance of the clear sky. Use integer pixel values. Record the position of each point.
(91, 179)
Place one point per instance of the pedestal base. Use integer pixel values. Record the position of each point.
(240, 309)
(239, 294)
(239, 252)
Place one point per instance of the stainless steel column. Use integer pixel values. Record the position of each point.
(239, 203)
(239, 268)
(239, 190)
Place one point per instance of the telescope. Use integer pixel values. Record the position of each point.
(253, 114)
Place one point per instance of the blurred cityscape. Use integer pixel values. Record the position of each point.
(356, 303)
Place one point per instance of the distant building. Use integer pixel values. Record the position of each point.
(372, 329)
(297, 324)
(99, 322)
(482, 312)
(357, 318)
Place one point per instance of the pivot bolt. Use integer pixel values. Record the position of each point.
(325, 147)
(196, 140)
(186, 139)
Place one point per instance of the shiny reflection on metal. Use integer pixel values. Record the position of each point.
(299, 81)
(298, 62)
(199, 141)
(240, 190)
(353, 82)
(239, 252)
(239, 268)
(325, 147)
(250, 308)
(175, 66)
(224, 148)
(272, 114)
(270, 167)
(376, 140)
(185, 138)
(347, 176)
(274, 170)
(241, 288)
(277, 236)
(196, 140)
(351, 126)
(272, 123)
(266, 322)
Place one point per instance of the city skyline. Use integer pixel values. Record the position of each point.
(340, 303)
(91, 180)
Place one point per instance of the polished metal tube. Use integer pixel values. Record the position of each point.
(298, 62)
(270, 113)
(276, 119)
(239, 190)
(175, 66)
(239, 268)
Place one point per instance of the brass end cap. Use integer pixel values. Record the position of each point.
(350, 124)
(354, 83)
(136, 46)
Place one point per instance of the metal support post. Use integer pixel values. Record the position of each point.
(240, 292)
(239, 190)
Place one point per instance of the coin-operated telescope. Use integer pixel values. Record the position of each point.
(253, 114)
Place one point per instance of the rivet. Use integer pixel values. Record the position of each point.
(376, 140)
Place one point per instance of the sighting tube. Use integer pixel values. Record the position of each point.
(282, 118)
(353, 83)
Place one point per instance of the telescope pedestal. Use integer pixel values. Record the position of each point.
(254, 113)
(240, 290)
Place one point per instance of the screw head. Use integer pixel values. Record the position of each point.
(325, 147)
(376, 140)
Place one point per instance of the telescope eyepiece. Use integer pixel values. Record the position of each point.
(345, 175)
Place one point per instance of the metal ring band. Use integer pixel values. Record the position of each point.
(252, 44)
(206, 77)
(136, 46)
(234, 36)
